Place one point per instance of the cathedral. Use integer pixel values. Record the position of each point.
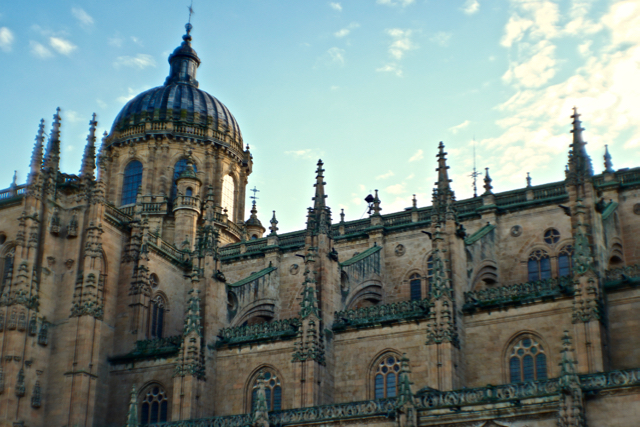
(137, 292)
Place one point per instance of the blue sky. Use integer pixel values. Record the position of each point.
(369, 86)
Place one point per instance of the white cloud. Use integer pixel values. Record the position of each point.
(136, 40)
(72, 116)
(335, 87)
(307, 153)
(39, 50)
(395, 189)
(385, 175)
(470, 7)
(130, 94)
(62, 46)
(536, 70)
(116, 40)
(345, 31)
(401, 42)
(6, 39)
(101, 103)
(83, 17)
(336, 55)
(391, 68)
(457, 128)
(441, 38)
(139, 61)
(419, 155)
(336, 6)
(402, 3)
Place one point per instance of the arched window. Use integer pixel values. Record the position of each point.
(564, 260)
(386, 377)
(189, 191)
(179, 167)
(273, 390)
(154, 406)
(132, 180)
(415, 284)
(156, 314)
(228, 190)
(538, 266)
(527, 360)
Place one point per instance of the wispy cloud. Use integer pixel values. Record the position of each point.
(391, 68)
(83, 17)
(130, 94)
(345, 31)
(306, 153)
(62, 46)
(140, 61)
(395, 189)
(441, 38)
(116, 40)
(385, 175)
(457, 128)
(6, 39)
(419, 155)
(39, 51)
(401, 42)
(470, 7)
(402, 3)
(336, 55)
(336, 6)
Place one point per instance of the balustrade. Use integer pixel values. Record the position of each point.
(383, 313)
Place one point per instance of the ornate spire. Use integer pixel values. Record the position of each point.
(274, 224)
(36, 156)
(89, 158)
(443, 196)
(571, 405)
(579, 161)
(608, 164)
(405, 394)
(184, 62)
(528, 180)
(260, 411)
(318, 200)
(319, 217)
(52, 154)
(375, 206)
(487, 182)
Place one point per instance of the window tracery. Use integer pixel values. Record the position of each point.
(156, 313)
(551, 236)
(565, 263)
(132, 180)
(273, 390)
(538, 265)
(527, 360)
(386, 376)
(154, 405)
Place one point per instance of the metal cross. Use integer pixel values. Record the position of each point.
(254, 197)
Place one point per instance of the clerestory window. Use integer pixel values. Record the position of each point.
(527, 360)
(386, 376)
(154, 406)
(156, 317)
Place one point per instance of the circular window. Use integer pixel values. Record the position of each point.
(516, 230)
(551, 236)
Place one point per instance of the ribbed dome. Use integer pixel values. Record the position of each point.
(180, 102)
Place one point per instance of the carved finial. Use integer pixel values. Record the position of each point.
(487, 182)
(89, 158)
(52, 154)
(14, 183)
(567, 362)
(341, 215)
(320, 196)
(579, 161)
(528, 180)
(274, 223)
(132, 416)
(443, 196)
(414, 202)
(260, 411)
(36, 156)
(376, 204)
(608, 164)
(405, 394)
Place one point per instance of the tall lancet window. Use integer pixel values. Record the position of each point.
(179, 167)
(228, 190)
(132, 180)
(156, 317)
(154, 406)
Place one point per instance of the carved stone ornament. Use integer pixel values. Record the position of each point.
(69, 263)
(51, 261)
(636, 209)
(294, 269)
(400, 250)
(516, 231)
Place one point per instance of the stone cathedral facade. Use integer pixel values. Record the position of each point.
(137, 293)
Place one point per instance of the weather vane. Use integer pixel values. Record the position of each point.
(254, 197)
(190, 11)
(475, 174)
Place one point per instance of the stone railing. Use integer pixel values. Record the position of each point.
(517, 294)
(468, 207)
(397, 219)
(292, 239)
(622, 273)
(151, 349)
(434, 399)
(380, 314)
(243, 420)
(356, 226)
(337, 412)
(511, 198)
(276, 330)
(629, 177)
(188, 202)
(612, 379)
(11, 192)
(557, 189)
(117, 214)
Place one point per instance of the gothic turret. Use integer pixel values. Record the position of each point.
(443, 196)
(254, 227)
(579, 167)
